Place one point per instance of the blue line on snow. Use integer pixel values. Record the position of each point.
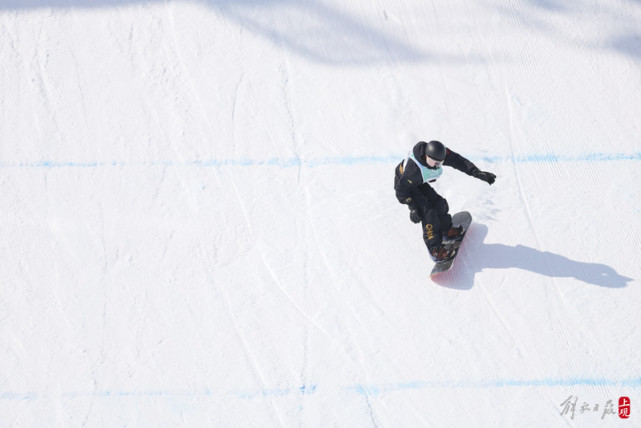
(375, 390)
(339, 160)
(370, 390)
(553, 158)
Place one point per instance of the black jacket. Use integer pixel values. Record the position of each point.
(409, 184)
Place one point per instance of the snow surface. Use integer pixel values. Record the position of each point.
(198, 226)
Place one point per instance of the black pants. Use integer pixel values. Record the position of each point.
(436, 219)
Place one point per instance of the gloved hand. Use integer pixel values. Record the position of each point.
(488, 177)
(415, 215)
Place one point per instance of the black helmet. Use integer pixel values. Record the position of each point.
(435, 150)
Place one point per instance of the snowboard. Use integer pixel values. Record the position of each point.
(464, 219)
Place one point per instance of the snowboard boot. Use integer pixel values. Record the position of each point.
(453, 233)
(441, 253)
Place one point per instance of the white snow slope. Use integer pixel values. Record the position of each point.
(198, 226)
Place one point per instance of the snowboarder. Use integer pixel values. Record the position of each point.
(413, 188)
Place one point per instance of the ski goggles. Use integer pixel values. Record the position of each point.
(433, 163)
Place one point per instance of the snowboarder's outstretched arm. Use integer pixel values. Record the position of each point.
(457, 161)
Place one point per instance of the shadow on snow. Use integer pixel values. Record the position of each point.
(311, 29)
(329, 35)
(477, 256)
